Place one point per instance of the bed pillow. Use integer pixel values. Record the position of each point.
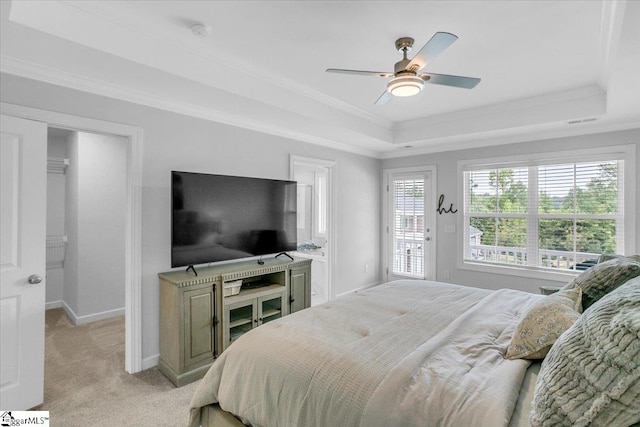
(607, 257)
(542, 324)
(591, 375)
(603, 278)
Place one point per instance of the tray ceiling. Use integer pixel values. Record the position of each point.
(542, 64)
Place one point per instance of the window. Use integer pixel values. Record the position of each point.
(408, 226)
(553, 215)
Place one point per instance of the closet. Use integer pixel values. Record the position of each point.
(86, 206)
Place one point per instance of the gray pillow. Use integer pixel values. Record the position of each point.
(607, 257)
(603, 278)
(591, 375)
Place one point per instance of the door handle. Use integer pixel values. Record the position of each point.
(34, 279)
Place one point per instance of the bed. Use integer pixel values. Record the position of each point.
(404, 353)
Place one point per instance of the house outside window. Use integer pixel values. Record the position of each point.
(547, 214)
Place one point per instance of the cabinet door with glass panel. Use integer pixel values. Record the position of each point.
(246, 314)
(239, 318)
(271, 307)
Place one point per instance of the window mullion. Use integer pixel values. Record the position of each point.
(497, 212)
(533, 242)
(620, 241)
(575, 213)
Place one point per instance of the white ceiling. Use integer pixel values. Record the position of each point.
(542, 64)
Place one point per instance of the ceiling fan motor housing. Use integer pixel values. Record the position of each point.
(401, 67)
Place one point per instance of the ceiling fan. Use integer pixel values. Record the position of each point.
(405, 79)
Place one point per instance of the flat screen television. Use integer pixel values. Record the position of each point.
(219, 217)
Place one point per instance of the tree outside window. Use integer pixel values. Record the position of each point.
(573, 214)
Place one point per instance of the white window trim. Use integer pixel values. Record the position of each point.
(625, 152)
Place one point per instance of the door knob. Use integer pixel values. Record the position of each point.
(34, 279)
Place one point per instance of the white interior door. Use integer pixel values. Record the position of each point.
(23, 181)
(410, 225)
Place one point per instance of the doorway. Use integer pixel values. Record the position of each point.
(409, 223)
(86, 219)
(315, 212)
(133, 288)
(85, 258)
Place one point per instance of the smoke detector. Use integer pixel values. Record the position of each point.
(201, 30)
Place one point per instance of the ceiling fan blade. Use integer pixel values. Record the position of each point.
(449, 80)
(434, 47)
(359, 72)
(384, 98)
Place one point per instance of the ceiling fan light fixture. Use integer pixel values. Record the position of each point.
(405, 85)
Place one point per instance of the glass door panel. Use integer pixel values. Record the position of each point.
(271, 309)
(241, 320)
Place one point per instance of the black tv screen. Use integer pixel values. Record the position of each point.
(220, 218)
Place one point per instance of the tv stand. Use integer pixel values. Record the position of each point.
(197, 322)
(191, 267)
(285, 254)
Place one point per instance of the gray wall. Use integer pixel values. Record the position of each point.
(176, 142)
(101, 200)
(447, 181)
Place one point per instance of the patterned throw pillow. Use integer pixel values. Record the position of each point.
(543, 323)
(603, 278)
(591, 375)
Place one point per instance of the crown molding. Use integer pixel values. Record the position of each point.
(95, 14)
(609, 39)
(506, 117)
(57, 77)
(512, 136)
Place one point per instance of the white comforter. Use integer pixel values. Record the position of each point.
(406, 353)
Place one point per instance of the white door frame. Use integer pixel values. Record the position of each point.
(430, 262)
(133, 274)
(330, 166)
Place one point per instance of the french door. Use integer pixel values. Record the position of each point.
(410, 224)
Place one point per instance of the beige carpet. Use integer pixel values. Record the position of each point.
(85, 383)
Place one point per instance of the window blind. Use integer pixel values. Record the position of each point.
(555, 215)
(408, 226)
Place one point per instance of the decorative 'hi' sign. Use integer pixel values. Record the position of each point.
(442, 210)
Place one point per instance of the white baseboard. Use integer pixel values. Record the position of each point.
(53, 304)
(361, 288)
(150, 362)
(88, 318)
